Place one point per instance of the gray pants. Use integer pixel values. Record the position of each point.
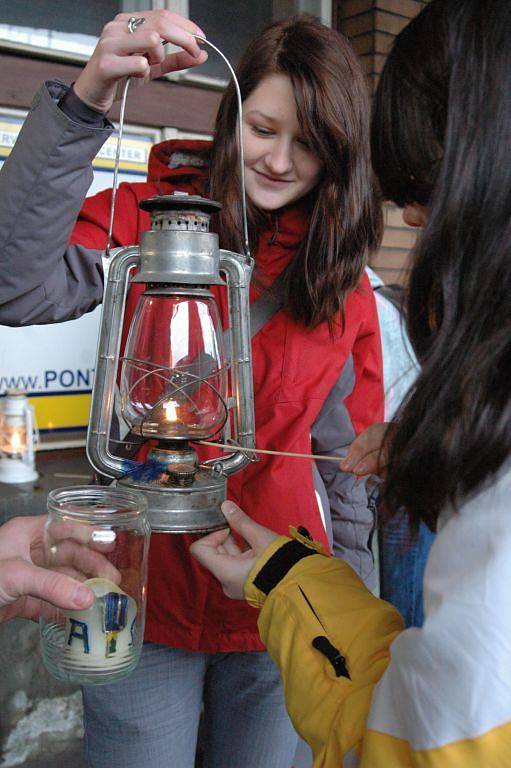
(151, 719)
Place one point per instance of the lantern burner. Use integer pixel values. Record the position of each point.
(179, 463)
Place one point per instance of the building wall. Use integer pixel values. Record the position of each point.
(161, 103)
(371, 26)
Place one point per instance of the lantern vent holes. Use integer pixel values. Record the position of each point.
(185, 222)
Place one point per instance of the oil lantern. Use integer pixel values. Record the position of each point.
(178, 382)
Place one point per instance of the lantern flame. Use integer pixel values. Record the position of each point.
(170, 411)
(16, 442)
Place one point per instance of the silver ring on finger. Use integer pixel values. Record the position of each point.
(133, 23)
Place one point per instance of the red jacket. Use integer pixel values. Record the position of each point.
(294, 371)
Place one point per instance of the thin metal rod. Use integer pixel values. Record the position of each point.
(116, 166)
(272, 453)
(240, 133)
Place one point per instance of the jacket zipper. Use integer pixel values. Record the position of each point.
(322, 644)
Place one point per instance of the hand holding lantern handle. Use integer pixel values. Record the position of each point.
(134, 47)
(120, 54)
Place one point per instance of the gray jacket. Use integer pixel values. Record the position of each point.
(42, 187)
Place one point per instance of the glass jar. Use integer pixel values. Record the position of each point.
(100, 536)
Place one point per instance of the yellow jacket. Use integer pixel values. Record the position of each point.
(436, 697)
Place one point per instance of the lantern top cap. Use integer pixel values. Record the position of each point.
(179, 201)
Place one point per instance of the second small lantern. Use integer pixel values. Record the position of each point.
(19, 437)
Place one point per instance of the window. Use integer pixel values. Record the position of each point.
(230, 24)
(50, 25)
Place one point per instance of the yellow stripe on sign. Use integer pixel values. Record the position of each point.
(97, 162)
(61, 411)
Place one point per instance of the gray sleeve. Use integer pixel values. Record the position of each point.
(43, 184)
(351, 519)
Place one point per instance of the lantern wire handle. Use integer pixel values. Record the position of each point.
(240, 134)
(241, 154)
(116, 165)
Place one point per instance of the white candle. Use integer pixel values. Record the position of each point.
(101, 636)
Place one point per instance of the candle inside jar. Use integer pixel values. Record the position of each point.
(103, 634)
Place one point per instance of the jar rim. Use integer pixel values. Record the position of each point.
(100, 504)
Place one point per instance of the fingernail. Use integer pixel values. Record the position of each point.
(228, 507)
(346, 463)
(200, 32)
(82, 596)
(361, 469)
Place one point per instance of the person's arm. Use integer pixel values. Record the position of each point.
(331, 639)
(47, 275)
(42, 186)
(434, 696)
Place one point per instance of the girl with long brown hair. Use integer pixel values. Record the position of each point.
(317, 367)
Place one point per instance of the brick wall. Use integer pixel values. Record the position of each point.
(371, 26)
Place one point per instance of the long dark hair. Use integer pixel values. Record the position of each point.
(332, 106)
(442, 136)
